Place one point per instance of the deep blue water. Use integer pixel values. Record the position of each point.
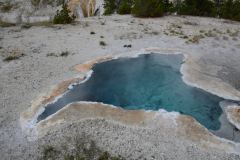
(149, 82)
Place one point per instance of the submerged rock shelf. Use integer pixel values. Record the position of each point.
(148, 82)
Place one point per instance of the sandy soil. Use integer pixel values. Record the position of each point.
(214, 60)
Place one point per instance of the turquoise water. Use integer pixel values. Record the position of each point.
(149, 82)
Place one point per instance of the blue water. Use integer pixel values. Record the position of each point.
(149, 82)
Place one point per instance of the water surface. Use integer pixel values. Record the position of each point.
(149, 82)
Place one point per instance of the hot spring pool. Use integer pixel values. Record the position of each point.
(149, 82)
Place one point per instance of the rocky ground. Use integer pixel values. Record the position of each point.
(33, 60)
(34, 11)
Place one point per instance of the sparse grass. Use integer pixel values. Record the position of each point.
(85, 24)
(195, 39)
(6, 7)
(151, 32)
(154, 33)
(52, 55)
(103, 23)
(190, 23)
(107, 156)
(217, 31)
(176, 26)
(102, 43)
(83, 149)
(44, 23)
(101, 36)
(234, 34)
(228, 31)
(64, 54)
(225, 38)
(10, 58)
(5, 24)
(210, 34)
(49, 153)
(173, 32)
(184, 37)
(14, 55)
(26, 26)
(166, 33)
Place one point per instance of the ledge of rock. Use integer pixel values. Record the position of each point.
(27, 11)
(233, 114)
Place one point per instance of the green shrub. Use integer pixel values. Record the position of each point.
(148, 8)
(169, 7)
(63, 17)
(230, 9)
(125, 7)
(198, 8)
(110, 7)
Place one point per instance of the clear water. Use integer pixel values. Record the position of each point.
(149, 82)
